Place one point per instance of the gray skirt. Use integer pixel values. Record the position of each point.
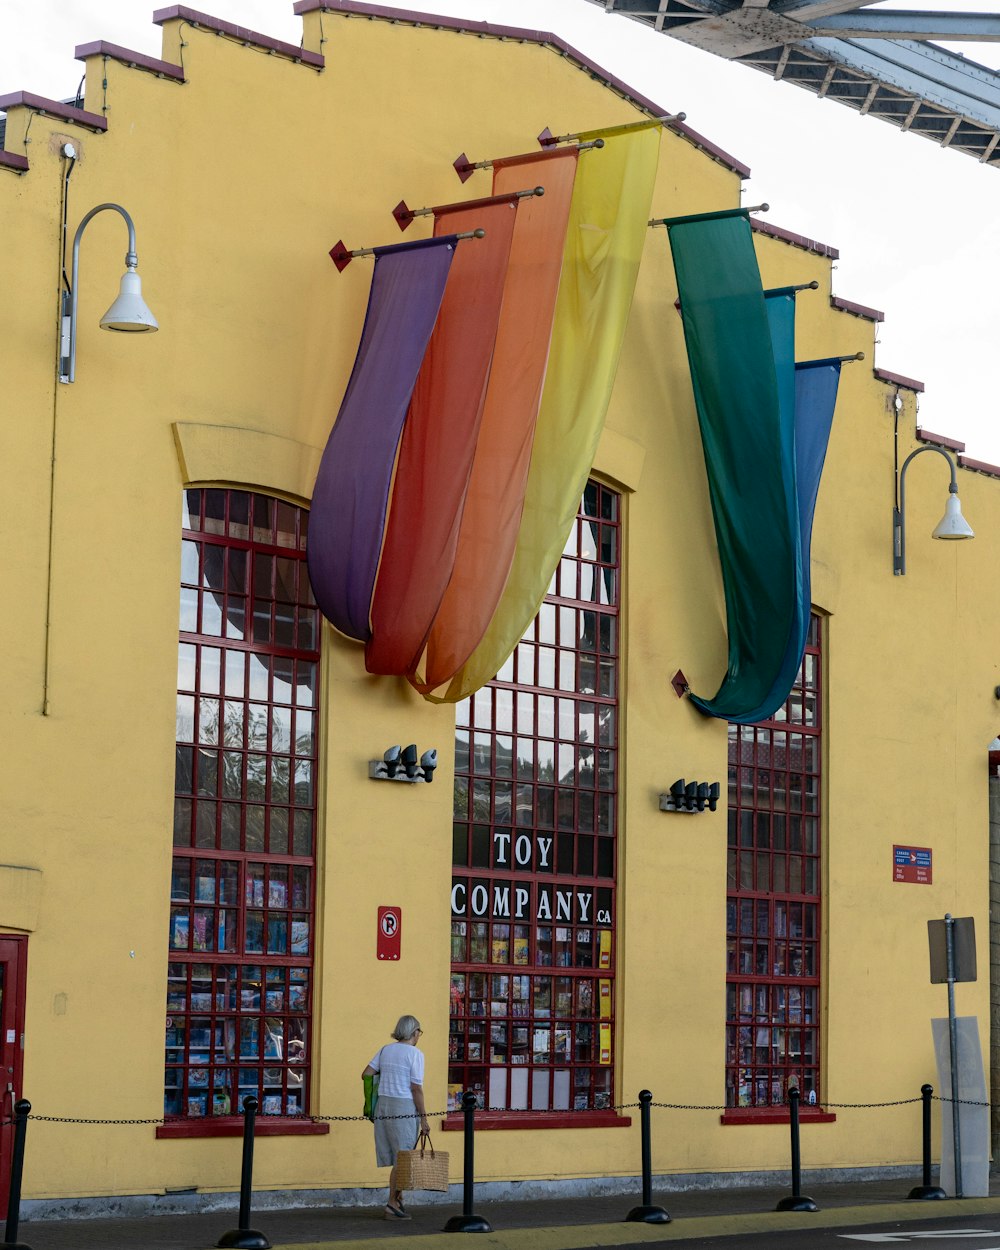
(392, 1135)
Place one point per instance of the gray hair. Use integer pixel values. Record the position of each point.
(406, 1027)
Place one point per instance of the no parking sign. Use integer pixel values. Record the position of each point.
(390, 931)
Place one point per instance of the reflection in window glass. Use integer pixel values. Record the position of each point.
(532, 948)
(772, 949)
(246, 733)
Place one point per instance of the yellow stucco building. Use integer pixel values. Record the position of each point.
(192, 834)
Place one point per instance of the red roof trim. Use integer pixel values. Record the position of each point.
(11, 160)
(134, 60)
(358, 8)
(979, 466)
(180, 12)
(939, 440)
(897, 379)
(24, 99)
(799, 240)
(857, 310)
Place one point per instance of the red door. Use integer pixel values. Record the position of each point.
(13, 962)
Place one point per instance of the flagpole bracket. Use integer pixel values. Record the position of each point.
(340, 256)
(404, 216)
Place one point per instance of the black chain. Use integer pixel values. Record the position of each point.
(624, 1106)
(854, 1106)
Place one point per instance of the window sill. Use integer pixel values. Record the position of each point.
(232, 1126)
(487, 1121)
(776, 1115)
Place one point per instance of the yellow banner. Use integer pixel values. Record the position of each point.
(604, 243)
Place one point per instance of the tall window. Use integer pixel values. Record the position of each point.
(533, 892)
(241, 915)
(773, 905)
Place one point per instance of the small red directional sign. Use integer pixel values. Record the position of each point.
(912, 863)
(390, 932)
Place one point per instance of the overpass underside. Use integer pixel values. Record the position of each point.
(881, 62)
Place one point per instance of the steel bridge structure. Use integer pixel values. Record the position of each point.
(882, 62)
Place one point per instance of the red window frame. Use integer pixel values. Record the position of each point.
(535, 855)
(242, 909)
(774, 903)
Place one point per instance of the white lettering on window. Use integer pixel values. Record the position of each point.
(544, 846)
(583, 902)
(458, 908)
(522, 849)
(564, 904)
(501, 900)
(520, 901)
(544, 911)
(480, 900)
(500, 842)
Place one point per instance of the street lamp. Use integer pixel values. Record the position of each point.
(128, 313)
(951, 526)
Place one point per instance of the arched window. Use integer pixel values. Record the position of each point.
(242, 891)
(773, 903)
(534, 859)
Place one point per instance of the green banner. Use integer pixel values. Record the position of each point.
(746, 413)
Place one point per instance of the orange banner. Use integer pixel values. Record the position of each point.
(490, 522)
(442, 427)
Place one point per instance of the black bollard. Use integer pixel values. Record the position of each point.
(796, 1201)
(22, 1108)
(467, 1222)
(927, 1191)
(245, 1237)
(647, 1213)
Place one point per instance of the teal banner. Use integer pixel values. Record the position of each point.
(764, 446)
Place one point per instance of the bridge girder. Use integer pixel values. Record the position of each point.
(881, 62)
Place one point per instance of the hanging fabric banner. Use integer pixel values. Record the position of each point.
(816, 386)
(352, 487)
(747, 433)
(495, 497)
(439, 441)
(606, 236)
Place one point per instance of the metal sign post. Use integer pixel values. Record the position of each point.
(953, 958)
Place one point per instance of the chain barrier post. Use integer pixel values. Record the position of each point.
(467, 1222)
(647, 1213)
(796, 1201)
(245, 1237)
(22, 1109)
(926, 1190)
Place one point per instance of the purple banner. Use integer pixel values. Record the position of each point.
(351, 496)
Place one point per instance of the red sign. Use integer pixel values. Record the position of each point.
(390, 931)
(912, 863)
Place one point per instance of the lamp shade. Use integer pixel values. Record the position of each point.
(953, 524)
(129, 311)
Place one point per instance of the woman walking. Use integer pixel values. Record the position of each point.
(400, 1115)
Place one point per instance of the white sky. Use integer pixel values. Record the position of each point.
(917, 226)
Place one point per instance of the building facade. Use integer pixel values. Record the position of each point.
(196, 859)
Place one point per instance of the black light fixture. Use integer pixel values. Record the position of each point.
(690, 796)
(401, 764)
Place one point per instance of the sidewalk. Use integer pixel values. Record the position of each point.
(539, 1224)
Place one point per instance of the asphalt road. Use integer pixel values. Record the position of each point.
(955, 1233)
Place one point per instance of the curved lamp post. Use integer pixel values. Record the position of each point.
(951, 526)
(129, 311)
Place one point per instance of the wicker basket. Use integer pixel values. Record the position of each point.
(423, 1167)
